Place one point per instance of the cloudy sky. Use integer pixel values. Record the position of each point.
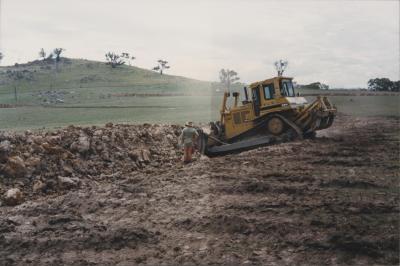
(341, 43)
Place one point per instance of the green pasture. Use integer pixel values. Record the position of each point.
(172, 109)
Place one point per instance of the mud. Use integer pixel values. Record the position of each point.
(330, 200)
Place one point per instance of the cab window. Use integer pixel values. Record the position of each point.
(287, 88)
(269, 91)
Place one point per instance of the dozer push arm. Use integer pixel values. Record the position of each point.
(223, 107)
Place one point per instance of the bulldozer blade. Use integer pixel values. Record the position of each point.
(326, 122)
(239, 146)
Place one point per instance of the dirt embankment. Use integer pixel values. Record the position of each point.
(119, 195)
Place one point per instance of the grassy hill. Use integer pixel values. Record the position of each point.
(84, 81)
(84, 92)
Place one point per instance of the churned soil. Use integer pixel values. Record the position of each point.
(119, 195)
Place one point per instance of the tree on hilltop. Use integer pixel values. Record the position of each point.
(128, 58)
(57, 53)
(281, 66)
(162, 65)
(42, 54)
(114, 60)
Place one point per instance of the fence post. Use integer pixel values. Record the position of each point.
(15, 94)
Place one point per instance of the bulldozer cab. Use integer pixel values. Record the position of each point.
(265, 94)
(275, 88)
(272, 94)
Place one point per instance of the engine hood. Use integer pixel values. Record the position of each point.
(296, 101)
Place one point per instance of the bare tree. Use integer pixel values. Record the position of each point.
(228, 77)
(1, 56)
(57, 56)
(162, 65)
(128, 58)
(114, 60)
(57, 53)
(280, 66)
(42, 54)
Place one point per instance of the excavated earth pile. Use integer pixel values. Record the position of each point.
(118, 195)
(47, 162)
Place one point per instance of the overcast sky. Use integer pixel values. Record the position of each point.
(341, 43)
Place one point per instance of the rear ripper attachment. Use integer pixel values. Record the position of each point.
(273, 114)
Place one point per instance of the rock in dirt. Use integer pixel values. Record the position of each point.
(145, 156)
(5, 146)
(98, 132)
(82, 145)
(38, 186)
(142, 155)
(68, 182)
(13, 197)
(32, 162)
(52, 149)
(15, 167)
(37, 140)
(67, 170)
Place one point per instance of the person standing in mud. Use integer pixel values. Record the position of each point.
(187, 138)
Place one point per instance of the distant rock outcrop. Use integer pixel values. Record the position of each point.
(314, 86)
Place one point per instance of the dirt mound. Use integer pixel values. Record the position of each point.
(48, 162)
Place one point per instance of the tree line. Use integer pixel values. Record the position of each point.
(227, 77)
(383, 84)
(113, 59)
(55, 54)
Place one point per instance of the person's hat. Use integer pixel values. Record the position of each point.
(189, 124)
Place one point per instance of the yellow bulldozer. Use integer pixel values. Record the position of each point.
(274, 113)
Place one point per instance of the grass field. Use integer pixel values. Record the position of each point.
(151, 110)
(173, 109)
(88, 90)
